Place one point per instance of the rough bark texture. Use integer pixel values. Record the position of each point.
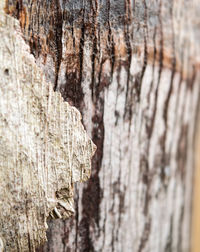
(132, 68)
(44, 148)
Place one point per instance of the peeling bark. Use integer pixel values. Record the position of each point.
(44, 147)
(132, 69)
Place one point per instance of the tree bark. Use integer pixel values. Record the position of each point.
(44, 148)
(132, 69)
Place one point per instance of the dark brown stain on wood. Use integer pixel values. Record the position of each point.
(145, 235)
(92, 193)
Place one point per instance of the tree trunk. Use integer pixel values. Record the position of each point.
(132, 69)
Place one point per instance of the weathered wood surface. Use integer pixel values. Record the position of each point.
(44, 148)
(132, 69)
